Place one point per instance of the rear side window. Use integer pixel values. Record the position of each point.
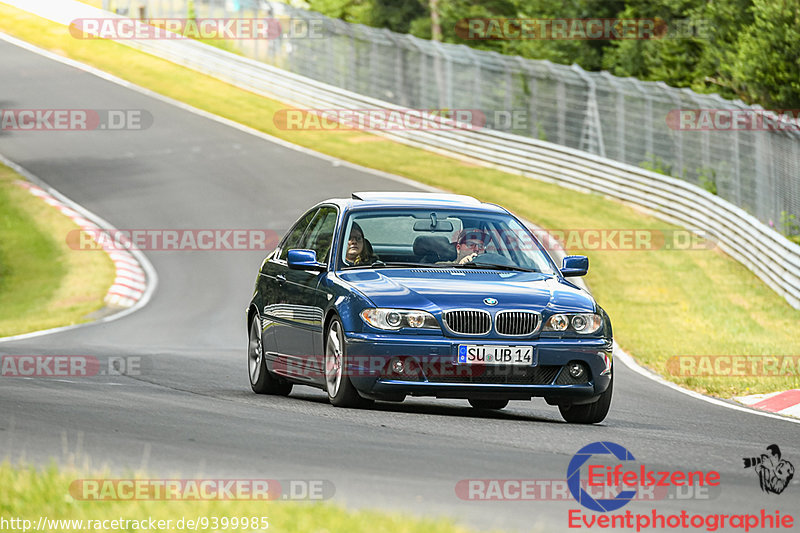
(294, 239)
(319, 236)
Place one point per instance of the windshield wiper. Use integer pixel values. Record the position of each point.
(470, 264)
(394, 264)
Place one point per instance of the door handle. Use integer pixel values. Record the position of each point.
(281, 279)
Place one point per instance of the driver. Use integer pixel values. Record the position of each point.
(470, 243)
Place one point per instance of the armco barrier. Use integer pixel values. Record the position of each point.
(772, 257)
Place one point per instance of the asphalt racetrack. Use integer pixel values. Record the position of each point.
(191, 411)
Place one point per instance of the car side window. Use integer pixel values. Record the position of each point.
(294, 239)
(320, 234)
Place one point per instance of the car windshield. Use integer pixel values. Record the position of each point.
(441, 239)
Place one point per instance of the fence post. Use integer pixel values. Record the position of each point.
(592, 129)
(560, 104)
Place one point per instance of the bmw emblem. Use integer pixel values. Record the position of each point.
(490, 301)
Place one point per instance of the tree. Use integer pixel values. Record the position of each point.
(673, 57)
(768, 60)
(725, 21)
(391, 14)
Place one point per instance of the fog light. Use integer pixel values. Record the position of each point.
(398, 366)
(576, 370)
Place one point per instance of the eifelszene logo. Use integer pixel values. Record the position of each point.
(774, 473)
(574, 476)
(623, 479)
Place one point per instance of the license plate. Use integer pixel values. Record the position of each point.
(489, 354)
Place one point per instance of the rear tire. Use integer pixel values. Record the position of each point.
(488, 404)
(262, 381)
(341, 391)
(590, 413)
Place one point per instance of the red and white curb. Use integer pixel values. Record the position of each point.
(783, 403)
(130, 283)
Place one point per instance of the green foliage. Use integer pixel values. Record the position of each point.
(708, 179)
(789, 225)
(396, 16)
(716, 65)
(656, 164)
(586, 53)
(747, 49)
(672, 59)
(768, 61)
(540, 130)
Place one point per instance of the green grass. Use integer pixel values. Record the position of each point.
(29, 493)
(662, 303)
(43, 283)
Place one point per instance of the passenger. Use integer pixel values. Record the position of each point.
(359, 249)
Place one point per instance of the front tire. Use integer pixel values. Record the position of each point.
(488, 404)
(341, 391)
(590, 413)
(262, 381)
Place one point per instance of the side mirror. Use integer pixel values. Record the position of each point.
(304, 260)
(573, 265)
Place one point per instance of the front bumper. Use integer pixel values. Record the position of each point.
(436, 371)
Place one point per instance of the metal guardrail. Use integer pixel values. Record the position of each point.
(769, 255)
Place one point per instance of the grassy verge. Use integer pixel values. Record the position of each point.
(662, 302)
(43, 283)
(28, 494)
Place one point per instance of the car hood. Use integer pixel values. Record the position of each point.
(435, 289)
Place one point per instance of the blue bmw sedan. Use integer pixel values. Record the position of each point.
(386, 295)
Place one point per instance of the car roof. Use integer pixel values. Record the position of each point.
(413, 199)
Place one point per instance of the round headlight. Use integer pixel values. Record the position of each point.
(592, 323)
(559, 322)
(415, 320)
(393, 318)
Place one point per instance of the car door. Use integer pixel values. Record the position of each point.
(300, 341)
(275, 314)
